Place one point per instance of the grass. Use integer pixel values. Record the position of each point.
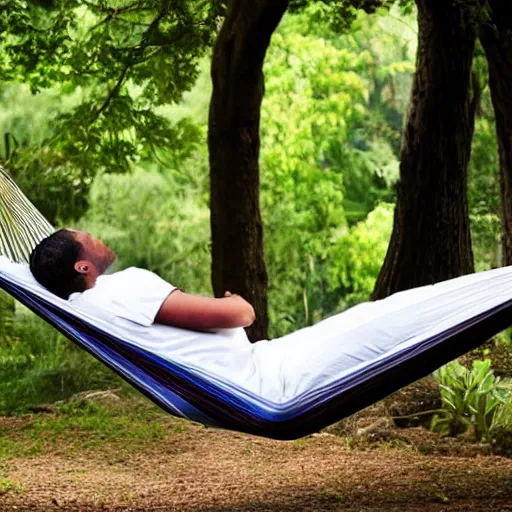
(83, 425)
(7, 485)
(40, 366)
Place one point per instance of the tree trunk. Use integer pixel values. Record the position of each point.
(234, 140)
(496, 39)
(431, 238)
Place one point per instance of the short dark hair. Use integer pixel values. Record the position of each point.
(52, 263)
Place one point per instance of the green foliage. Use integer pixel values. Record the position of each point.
(57, 188)
(7, 309)
(472, 398)
(154, 43)
(329, 155)
(359, 254)
(118, 59)
(484, 188)
(38, 365)
(339, 15)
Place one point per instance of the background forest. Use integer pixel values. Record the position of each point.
(108, 132)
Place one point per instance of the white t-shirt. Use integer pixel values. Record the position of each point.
(133, 294)
(130, 300)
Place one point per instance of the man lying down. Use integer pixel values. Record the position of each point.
(207, 333)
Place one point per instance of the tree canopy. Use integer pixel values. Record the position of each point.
(114, 64)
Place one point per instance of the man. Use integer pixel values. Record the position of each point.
(207, 335)
(72, 263)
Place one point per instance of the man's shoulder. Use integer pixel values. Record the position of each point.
(132, 273)
(129, 271)
(131, 276)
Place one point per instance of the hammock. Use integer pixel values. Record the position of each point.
(381, 347)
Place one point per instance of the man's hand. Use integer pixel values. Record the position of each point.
(240, 300)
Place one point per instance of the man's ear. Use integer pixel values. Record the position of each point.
(83, 266)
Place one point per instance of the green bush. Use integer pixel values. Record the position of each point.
(357, 255)
(472, 398)
(38, 365)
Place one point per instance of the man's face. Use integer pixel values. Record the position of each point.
(94, 250)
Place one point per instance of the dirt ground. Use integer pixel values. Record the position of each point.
(203, 469)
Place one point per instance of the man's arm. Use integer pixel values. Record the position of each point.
(204, 313)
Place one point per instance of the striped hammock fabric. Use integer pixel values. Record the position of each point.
(22, 226)
(334, 368)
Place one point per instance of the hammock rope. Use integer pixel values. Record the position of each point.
(22, 226)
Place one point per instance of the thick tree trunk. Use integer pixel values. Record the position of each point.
(497, 42)
(234, 140)
(431, 238)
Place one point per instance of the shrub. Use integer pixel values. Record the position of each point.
(472, 398)
(38, 365)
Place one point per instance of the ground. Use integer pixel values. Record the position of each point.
(131, 459)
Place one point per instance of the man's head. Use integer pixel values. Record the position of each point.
(69, 261)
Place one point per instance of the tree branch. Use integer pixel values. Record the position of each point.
(133, 59)
(113, 92)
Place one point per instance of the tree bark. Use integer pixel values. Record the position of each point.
(431, 238)
(496, 39)
(234, 141)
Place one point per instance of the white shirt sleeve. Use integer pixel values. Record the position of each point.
(139, 296)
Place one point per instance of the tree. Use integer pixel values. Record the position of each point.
(496, 38)
(431, 237)
(119, 60)
(234, 139)
(234, 142)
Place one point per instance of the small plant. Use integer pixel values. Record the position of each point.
(7, 485)
(472, 398)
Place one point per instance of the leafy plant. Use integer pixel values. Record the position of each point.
(105, 66)
(39, 366)
(472, 398)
